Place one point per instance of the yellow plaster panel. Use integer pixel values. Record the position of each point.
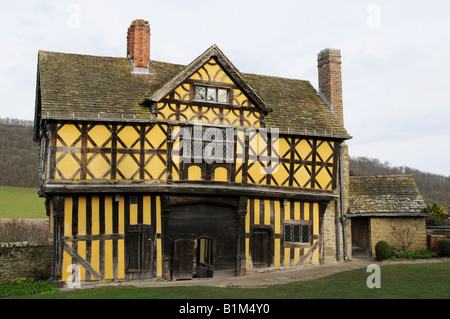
(303, 149)
(287, 211)
(108, 215)
(306, 211)
(277, 225)
(157, 137)
(147, 210)
(155, 166)
(95, 255)
(323, 178)
(276, 257)
(129, 138)
(194, 173)
(121, 214)
(133, 214)
(220, 174)
(128, 167)
(158, 214)
(68, 216)
(99, 134)
(239, 98)
(287, 257)
(182, 92)
(99, 166)
(81, 215)
(108, 259)
(257, 208)
(257, 173)
(121, 258)
(267, 212)
(68, 166)
(69, 133)
(280, 174)
(95, 215)
(302, 176)
(66, 267)
(247, 253)
(325, 151)
(81, 250)
(316, 218)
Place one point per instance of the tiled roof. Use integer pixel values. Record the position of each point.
(92, 87)
(390, 194)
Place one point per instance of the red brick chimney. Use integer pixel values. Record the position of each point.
(138, 44)
(330, 79)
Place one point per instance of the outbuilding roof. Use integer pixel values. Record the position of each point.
(387, 195)
(73, 86)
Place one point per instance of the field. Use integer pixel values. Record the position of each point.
(18, 202)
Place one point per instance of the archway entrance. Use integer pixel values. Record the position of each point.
(202, 240)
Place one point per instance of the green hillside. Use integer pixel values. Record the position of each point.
(21, 203)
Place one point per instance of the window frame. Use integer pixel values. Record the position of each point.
(226, 145)
(301, 224)
(216, 92)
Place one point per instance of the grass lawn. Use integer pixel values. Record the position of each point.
(18, 202)
(398, 281)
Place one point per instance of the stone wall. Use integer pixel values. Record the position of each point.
(403, 233)
(27, 260)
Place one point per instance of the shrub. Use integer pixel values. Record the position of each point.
(444, 247)
(420, 253)
(23, 286)
(383, 250)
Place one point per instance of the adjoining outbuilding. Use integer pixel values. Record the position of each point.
(386, 208)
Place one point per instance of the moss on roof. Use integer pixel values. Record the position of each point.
(385, 195)
(91, 87)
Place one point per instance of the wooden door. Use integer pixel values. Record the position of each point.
(360, 238)
(139, 252)
(183, 259)
(262, 248)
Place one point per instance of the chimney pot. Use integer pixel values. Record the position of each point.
(330, 79)
(138, 44)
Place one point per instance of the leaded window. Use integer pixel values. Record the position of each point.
(207, 144)
(297, 233)
(211, 94)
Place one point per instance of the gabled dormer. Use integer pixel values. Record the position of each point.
(210, 90)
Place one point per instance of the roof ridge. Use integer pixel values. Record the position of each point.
(275, 76)
(381, 176)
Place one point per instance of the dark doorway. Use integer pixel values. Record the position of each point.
(360, 238)
(205, 258)
(139, 252)
(262, 248)
(212, 230)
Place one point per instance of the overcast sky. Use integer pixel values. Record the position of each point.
(395, 56)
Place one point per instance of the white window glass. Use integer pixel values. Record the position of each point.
(222, 95)
(200, 93)
(211, 95)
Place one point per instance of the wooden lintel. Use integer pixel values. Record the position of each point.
(198, 189)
